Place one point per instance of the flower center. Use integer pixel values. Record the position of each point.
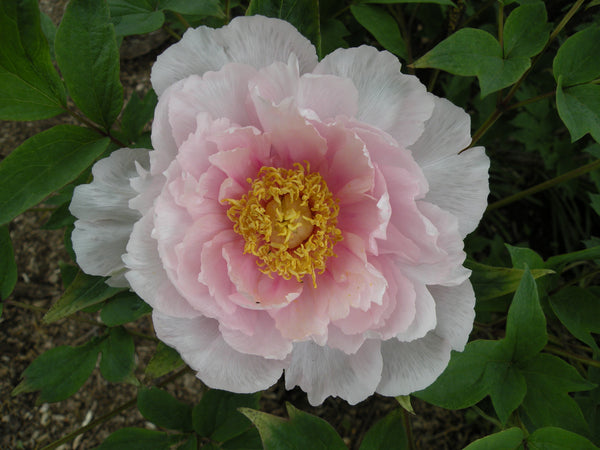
(288, 219)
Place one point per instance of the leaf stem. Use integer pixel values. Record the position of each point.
(94, 127)
(182, 20)
(109, 415)
(408, 428)
(566, 354)
(545, 185)
(170, 31)
(530, 100)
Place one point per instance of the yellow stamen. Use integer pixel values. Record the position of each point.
(288, 219)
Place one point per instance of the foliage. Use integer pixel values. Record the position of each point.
(529, 74)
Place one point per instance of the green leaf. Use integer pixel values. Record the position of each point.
(59, 372)
(30, 88)
(190, 444)
(201, 8)
(140, 439)
(137, 114)
(555, 262)
(163, 361)
(382, 26)
(595, 202)
(140, 23)
(492, 282)
(439, 2)
(122, 308)
(43, 164)
(577, 59)
(526, 323)
(579, 109)
(579, 310)
(118, 356)
(507, 388)
(552, 438)
(301, 431)
(8, 266)
(522, 257)
(164, 410)
(84, 291)
(248, 440)
(303, 14)
(474, 52)
(510, 439)
(547, 402)
(463, 383)
(526, 31)
(88, 57)
(217, 415)
(333, 33)
(387, 433)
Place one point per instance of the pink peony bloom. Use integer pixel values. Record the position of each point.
(294, 216)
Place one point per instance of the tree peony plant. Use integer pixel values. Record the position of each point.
(294, 215)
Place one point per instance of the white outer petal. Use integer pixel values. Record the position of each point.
(412, 366)
(105, 218)
(387, 99)
(323, 371)
(256, 40)
(201, 345)
(457, 183)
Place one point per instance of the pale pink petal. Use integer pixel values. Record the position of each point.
(388, 99)
(264, 340)
(412, 366)
(105, 218)
(328, 96)
(425, 318)
(202, 347)
(146, 274)
(322, 371)
(255, 40)
(454, 306)
(348, 343)
(277, 82)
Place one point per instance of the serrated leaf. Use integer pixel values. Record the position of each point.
(30, 88)
(118, 356)
(88, 57)
(526, 323)
(303, 14)
(558, 439)
(203, 8)
(579, 109)
(547, 402)
(137, 114)
(164, 410)
(463, 383)
(387, 433)
(507, 388)
(492, 282)
(474, 52)
(526, 31)
(122, 308)
(579, 310)
(510, 439)
(59, 372)
(217, 415)
(8, 266)
(140, 439)
(163, 361)
(84, 291)
(577, 59)
(43, 164)
(382, 26)
(302, 430)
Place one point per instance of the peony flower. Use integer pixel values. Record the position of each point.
(294, 216)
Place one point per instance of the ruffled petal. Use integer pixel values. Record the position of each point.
(202, 347)
(412, 366)
(105, 218)
(255, 40)
(388, 99)
(458, 183)
(322, 372)
(455, 309)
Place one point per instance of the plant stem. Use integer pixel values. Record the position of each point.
(530, 100)
(566, 354)
(170, 31)
(91, 125)
(408, 428)
(182, 20)
(69, 437)
(545, 185)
